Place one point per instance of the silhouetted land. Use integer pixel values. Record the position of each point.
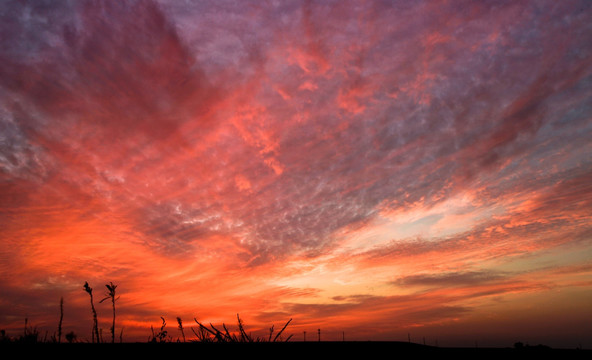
(218, 343)
(303, 350)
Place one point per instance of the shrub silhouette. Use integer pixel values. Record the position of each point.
(71, 337)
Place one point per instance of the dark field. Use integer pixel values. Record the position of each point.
(289, 350)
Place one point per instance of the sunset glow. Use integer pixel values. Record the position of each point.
(375, 169)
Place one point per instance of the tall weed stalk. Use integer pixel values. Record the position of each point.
(111, 295)
(95, 329)
(61, 319)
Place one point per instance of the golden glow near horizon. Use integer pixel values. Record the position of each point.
(378, 169)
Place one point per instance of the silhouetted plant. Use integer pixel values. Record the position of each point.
(3, 337)
(180, 322)
(161, 336)
(95, 329)
(111, 295)
(213, 334)
(243, 334)
(271, 332)
(217, 335)
(71, 337)
(202, 334)
(61, 319)
(281, 331)
(30, 333)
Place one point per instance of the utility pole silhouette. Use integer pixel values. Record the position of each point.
(319, 334)
(305, 336)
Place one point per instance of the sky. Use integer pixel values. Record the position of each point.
(379, 170)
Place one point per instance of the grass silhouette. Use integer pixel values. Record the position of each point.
(30, 333)
(203, 333)
(161, 336)
(221, 334)
(180, 322)
(213, 334)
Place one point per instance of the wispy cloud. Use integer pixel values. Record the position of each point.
(449, 279)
